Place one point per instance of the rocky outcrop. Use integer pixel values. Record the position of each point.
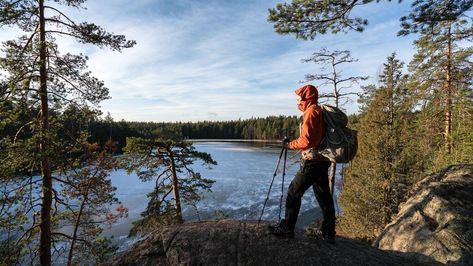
(230, 242)
(437, 220)
(434, 225)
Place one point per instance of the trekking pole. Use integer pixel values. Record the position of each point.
(331, 184)
(270, 186)
(282, 184)
(331, 180)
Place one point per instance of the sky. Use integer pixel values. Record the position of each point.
(220, 60)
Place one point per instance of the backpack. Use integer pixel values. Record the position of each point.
(340, 143)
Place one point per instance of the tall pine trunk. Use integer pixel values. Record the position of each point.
(175, 187)
(45, 226)
(334, 79)
(448, 93)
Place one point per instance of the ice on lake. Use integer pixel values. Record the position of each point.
(243, 176)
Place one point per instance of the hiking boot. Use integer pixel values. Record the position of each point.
(281, 229)
(318, 234)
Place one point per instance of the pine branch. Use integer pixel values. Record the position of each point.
(349, 93)
(62, 33)
(32, 208)
(338, 15)
(29, 40)
(74, 86)
(352, 79)
(307, 18)
(29, 182)
(167, 193)
(29, 231)
(19, 130)
(23, 76)
(60, 13)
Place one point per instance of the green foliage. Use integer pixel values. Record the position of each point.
(420, 125)
(25, 15)
(98, 251)
(10, 253)
(307, 18)
(441, 79)
(354, 121)
(89, 198)
(83, 195)
(462, 136)
(377, 179)
(427, 14)
(47, 100)
(153, 221)
(463, 133)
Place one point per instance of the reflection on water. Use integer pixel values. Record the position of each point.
(243, 175)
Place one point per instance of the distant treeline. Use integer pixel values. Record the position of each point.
(269, 128)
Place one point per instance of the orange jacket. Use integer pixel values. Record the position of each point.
(313, 129)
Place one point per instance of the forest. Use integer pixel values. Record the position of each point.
(57, 149)
(269, 128)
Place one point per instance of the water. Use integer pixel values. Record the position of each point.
(243, 176)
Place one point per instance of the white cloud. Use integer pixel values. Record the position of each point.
(214, 60)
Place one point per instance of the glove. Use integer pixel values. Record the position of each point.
(284, 142)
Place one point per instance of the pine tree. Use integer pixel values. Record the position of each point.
(463, 133)
(442, 58)
(307, 18)
(88, 197)
(334, 77)
(39, 76)
(168, 163)
(375, 183)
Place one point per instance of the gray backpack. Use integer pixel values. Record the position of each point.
(340, 143)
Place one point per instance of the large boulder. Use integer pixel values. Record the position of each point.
(437, 220)
(230, 242)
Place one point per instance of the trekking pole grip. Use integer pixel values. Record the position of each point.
(284, 142)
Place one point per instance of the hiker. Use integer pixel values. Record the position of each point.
(313, 171)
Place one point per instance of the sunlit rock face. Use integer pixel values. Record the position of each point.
(437, 221)
(233, 242)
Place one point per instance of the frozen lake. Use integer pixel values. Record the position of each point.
(242, 176)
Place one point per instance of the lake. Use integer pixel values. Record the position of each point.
(243, 176)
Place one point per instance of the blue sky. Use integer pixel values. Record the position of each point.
(219, 59)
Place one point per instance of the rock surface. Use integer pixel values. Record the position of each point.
(230, 242)
(437, 220)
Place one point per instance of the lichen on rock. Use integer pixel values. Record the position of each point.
(437, 220)
(232, 242)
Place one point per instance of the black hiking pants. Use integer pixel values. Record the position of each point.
(313, 174)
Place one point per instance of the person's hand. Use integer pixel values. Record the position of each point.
(284, 142)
